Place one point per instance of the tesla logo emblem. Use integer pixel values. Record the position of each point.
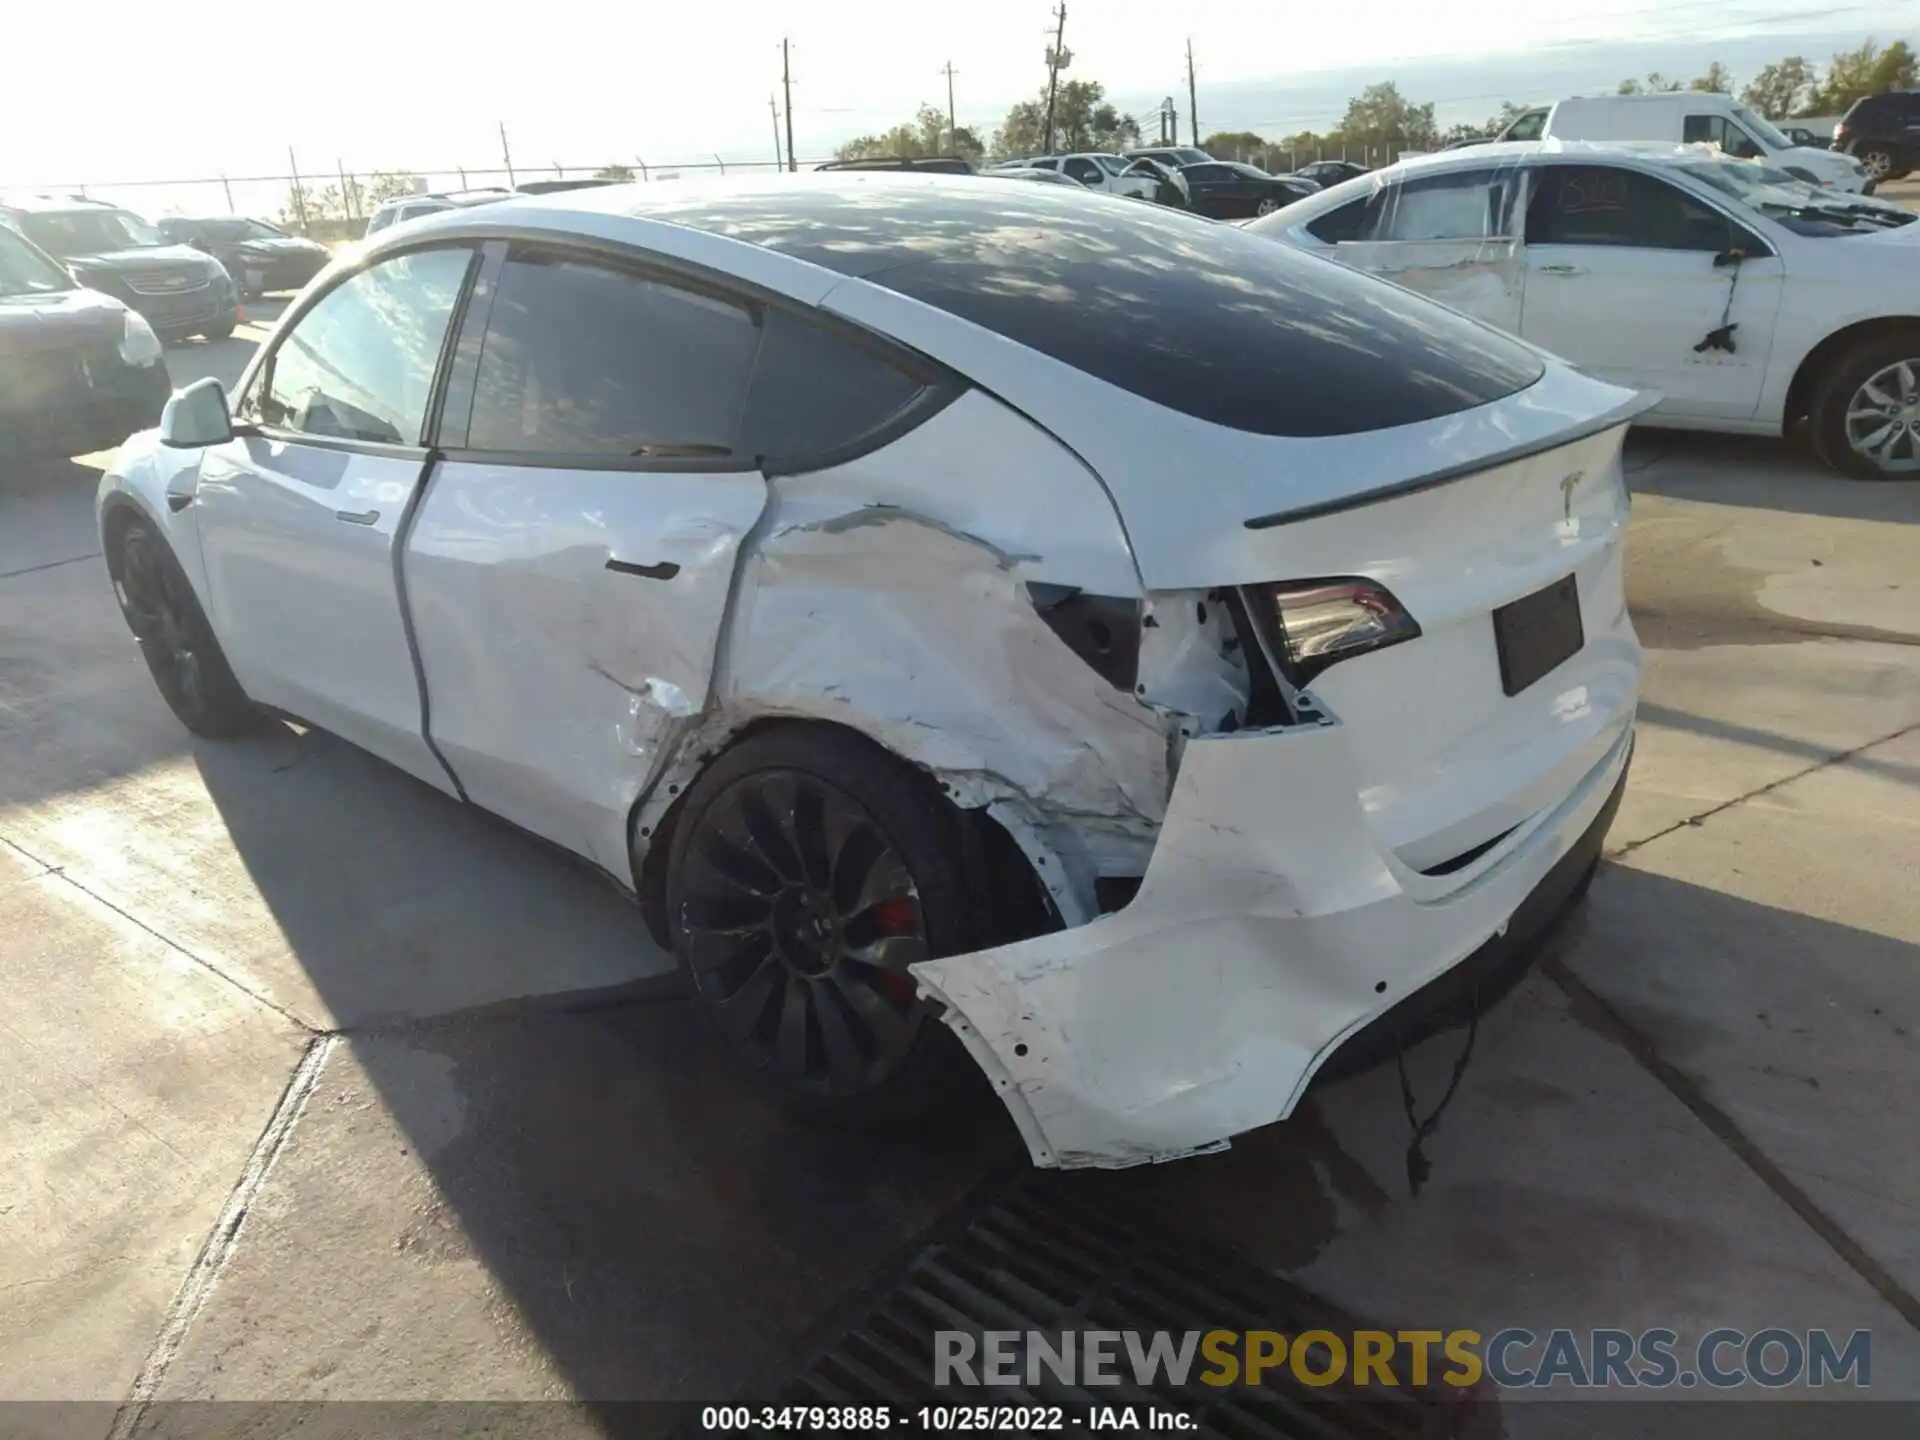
(1567, 486)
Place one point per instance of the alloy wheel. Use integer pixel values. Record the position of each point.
(1883, 418)
(1268, 206)
(161, 616)
(798, 919)
(1877, 164)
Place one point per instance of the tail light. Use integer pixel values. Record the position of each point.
(1317, 623)
(1839, 133)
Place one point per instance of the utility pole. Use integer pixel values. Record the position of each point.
(786, 82)
(506, 154)
(299, 195)
(773, 109)
(1057, 58)
(347, 197)
(1193, 96)
(953, 125)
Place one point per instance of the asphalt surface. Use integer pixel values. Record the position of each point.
(316, 1085)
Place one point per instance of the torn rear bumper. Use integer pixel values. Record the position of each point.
(1271, 928)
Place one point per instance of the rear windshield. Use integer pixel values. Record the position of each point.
(1223, 326)
(1194, 315)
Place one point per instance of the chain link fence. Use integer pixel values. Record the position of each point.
(333, 205)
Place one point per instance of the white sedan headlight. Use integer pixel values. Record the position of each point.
(139, 346)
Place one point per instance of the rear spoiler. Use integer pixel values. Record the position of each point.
(1623, 414)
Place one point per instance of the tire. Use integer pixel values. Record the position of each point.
(220, 332)
(1845, 392)
(1266, 206)
(175, 639)
(1878, 162)
(798, 849)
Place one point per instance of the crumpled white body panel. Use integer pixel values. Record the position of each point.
(1270, 925)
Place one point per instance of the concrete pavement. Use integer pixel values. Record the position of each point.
(469, 1146)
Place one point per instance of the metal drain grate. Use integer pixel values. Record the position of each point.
(1041, 1258)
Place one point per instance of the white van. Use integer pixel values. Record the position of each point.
(1690, 117)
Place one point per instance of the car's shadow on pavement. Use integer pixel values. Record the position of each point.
(1772, 474)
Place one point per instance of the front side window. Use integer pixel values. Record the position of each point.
(1463, 206)
(359, 364)
(1331, 228)
(1529, 126)
(24, 271)
(585, 359)
(1083, 170)
(1718, 130)
(70, 233)
(1600, 205)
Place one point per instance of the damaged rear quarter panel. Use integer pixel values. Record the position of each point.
(888, 594)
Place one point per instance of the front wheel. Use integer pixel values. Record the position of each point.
(1267, 206)
(175, 639)
(1865, 420)
(809, 869)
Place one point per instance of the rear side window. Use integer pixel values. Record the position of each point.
(1600, 205)
(584, 359)
(816, 393)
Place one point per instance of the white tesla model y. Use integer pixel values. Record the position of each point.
(974, 620)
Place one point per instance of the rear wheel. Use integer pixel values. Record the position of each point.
(1878, 162)
(1267, 206)
(808, 870)
(1865, 419)
(175, 639)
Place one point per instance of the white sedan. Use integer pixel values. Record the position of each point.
(1034, 627)
(1747, 300)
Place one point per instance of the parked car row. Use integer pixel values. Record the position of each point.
(1689, 117)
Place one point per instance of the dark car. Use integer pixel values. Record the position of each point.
(79, 371)
(1173, 155)
(561, 186)
(1227, 190)
(257, 257)
(178, 289)
(1328, 173)
(1882, 132)
(931, 164)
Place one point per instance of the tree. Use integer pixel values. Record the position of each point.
(1082, 120)
(1380, 115)
(925, 134)
(1655, 84)
(1237, 145)
(1779, 90)
(1717, 81)
(620, 173)
(390, 185)
(1865, 71)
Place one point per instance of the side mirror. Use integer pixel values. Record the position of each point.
(1729, 257)
(197, 416)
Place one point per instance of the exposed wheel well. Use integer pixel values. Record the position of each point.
(1807, 378)
(1012, 902)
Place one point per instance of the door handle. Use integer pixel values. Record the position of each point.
(362, 517)
(665, 570)
(1562, 270)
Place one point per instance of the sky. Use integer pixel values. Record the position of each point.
(394, 84)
